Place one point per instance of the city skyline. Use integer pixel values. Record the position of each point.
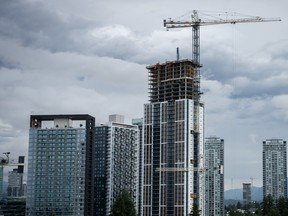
(81, 57)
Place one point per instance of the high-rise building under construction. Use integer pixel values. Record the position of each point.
(173, 140)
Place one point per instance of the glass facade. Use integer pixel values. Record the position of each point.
(139, 123)
(117, 165)
(56, 171)
(1, 182)
(172, 157)
(102, 134)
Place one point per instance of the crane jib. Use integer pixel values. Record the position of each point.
(196, 22)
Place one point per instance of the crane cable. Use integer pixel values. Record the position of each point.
(235, 54)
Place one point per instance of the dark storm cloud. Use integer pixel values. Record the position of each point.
(34, 25)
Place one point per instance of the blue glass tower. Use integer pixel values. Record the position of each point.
(60, 165)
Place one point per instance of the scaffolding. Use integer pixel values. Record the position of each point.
(174, 80)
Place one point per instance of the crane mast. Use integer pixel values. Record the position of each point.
(196, 22)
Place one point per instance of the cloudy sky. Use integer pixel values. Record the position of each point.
(89, 56)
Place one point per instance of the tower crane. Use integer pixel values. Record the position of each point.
(196, 22)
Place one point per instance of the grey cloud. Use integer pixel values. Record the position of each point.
(256, 108)
(280, 103)
(114, 41)
(7, 64)
(7, 130)
(36, 26)
(261, 75)
(39, 27)
(49, 83)
(278, 50)
(97, 71)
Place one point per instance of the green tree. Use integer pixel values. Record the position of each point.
(282, 206)
(239, 206)
(123, 205)
(195, 210)
(273, 212)
(248, 213)
(268, 205)
(258, 211)
(235, 213)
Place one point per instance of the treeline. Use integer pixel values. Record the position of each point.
(268, 207)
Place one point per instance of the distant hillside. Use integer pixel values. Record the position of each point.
(228, 202)
(237, 194)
